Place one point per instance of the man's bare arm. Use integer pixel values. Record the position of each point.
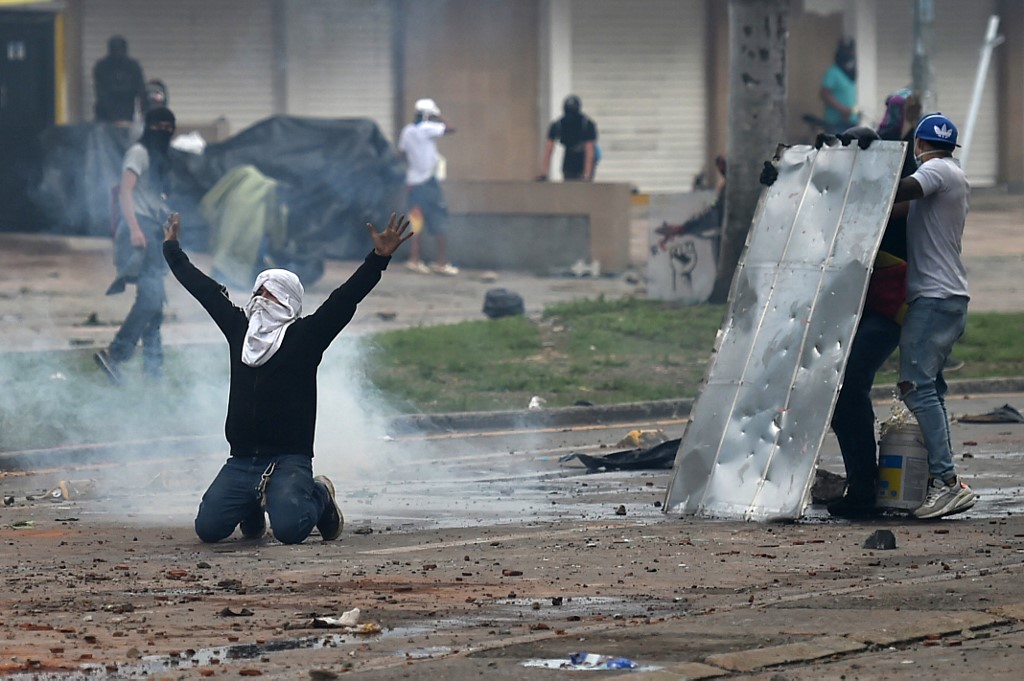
(545, 163)
(127, 202)
(588, 161)
(908, 190)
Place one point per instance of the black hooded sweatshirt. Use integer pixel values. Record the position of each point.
(272, 408)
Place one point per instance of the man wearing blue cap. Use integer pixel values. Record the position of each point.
(937, 298)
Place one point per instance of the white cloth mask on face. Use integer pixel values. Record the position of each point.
(268, 320)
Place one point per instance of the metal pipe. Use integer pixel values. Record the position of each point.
(992, 40)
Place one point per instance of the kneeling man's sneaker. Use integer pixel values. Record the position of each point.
(255, 526)
(945, 498)
(332, 520)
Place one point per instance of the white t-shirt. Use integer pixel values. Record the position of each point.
(418, 143)
(935, 230)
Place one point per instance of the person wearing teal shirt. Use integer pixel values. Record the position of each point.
(839, 90)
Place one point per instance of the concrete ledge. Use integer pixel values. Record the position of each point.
(604, 205)
(749, 660)
(964, 386)
(538, 419)
(561, 417)
(936, 624)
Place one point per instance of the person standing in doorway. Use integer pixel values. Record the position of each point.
(119, 83)
(425, 205)
(839, 89)
(143, 206)
(577, 132)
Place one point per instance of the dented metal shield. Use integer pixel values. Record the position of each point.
(752, 443)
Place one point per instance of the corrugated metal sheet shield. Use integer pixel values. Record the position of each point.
(752, 443)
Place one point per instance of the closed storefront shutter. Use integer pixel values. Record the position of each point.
(340, 60)
(958, 32)
(639, 68)
(214, 57)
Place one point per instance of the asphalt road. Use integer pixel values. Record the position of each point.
(478, 552)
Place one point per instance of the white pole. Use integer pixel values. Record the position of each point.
(992, 40)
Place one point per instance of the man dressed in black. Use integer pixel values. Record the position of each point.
(119, 83)
(275, 353)
(578, 134)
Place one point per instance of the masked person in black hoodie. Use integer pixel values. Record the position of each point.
(143, 201)
(271, 421)
(578, 134)
(119, 83)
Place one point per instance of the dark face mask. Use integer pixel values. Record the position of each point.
(849, 67)
(157, 140)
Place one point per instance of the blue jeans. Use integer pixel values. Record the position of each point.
(294, 502)
(853, 420)
(147, 313)
(931, 327)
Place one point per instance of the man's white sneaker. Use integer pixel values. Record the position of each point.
(447, 269)
(417, 266)
(945, 499)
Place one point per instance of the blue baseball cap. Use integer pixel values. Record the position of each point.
(937, 128)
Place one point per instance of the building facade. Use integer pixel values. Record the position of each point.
(652, 73)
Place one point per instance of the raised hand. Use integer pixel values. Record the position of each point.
(172, 227)
(387, 242)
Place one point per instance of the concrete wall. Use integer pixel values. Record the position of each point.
(537, 227)
(479, 61)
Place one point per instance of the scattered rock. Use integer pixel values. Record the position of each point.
(881, 540)
(621, 510)
(827, 486)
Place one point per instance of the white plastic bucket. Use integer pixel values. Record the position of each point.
(902, 467)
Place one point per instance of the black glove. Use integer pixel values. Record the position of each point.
(824, 139)
(768, 174)
(863, 134)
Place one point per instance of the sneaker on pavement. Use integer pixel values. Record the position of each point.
(332, 520)
(448, 269)
(417, 266)
(945, 499)
(108, 365)
(255, 526)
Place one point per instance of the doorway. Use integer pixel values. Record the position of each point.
(26, 109)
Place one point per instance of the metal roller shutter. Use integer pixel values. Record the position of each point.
(215, 57)
(639, 68)
(340, 59)
(958, 33)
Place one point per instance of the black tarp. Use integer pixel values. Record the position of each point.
(660, 456)
(335, 175)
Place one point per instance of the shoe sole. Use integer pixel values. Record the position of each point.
(104, 362)
(341, 518)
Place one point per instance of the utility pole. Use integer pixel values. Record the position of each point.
(758, 32)
(924, 76)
